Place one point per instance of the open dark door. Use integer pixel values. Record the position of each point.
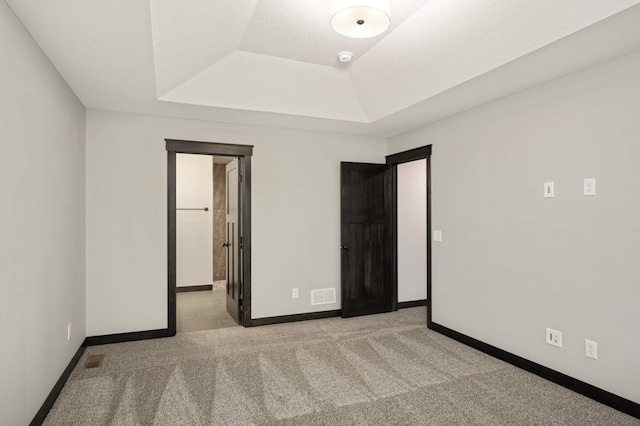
(366, 232)
(234, 293)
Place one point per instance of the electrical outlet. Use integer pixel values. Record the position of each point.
(590, 349)
(590, 186)
(437, 235)
(554, 337)
(294, 293)
(69, 332)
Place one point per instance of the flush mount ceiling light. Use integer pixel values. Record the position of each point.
(361, 18)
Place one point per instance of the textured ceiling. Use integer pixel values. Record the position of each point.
(300, 30)
(191, 35)
(273, 62)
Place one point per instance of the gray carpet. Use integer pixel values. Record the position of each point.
(380, 370)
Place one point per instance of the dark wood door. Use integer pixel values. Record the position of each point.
(366, 234)
(234, 293)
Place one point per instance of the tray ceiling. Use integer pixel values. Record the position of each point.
(274, 62)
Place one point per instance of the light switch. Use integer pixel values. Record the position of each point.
(590, 186)
(437, 235)
(548, 190)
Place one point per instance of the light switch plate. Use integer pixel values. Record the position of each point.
(590, 186)
(549, 190)
(437, 235)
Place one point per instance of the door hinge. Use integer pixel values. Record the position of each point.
(241, 243)
(240, 177)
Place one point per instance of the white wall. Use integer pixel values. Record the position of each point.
(194, 228)
(295, 218)
(512, 262)
(412, 231)
(42, 216)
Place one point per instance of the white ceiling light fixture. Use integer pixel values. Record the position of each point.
(361, 18)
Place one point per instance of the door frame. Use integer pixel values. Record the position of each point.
(393, 160)
(244, 152)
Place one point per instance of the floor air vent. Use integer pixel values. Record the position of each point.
(323, 296)
(94, 361)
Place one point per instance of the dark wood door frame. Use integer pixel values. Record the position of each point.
(244, 152)
(393, 160)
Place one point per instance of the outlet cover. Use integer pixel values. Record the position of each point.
(590, 349)
(554, 337)
(294, 293)
(590, 186)
(437, 235)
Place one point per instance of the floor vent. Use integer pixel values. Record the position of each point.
(94, 361)
(323, 296)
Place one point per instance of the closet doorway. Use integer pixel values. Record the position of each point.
(209, 238)
(205, 261)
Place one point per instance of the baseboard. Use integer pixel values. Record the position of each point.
(57, 388)
(127, 337)
(293, 318)
(590, 391)
(90, 341)
(412, 304)
(189, 288)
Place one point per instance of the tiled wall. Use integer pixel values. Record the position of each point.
(219, 200)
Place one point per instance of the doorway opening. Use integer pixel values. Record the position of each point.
(411, 233)
(209, 235)
(370, 228)
(205, 202)
(405, 167)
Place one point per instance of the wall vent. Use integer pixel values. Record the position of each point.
(323, 296)
(94, 361)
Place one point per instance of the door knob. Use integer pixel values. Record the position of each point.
(344, 247)
(226, 245)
